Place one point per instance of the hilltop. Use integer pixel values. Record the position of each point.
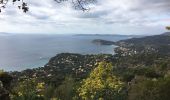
(166, 34)
(156, 43)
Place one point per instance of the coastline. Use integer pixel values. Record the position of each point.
(21, 53)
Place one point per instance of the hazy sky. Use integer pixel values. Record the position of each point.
(105, 17)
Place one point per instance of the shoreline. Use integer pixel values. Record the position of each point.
(32, 68)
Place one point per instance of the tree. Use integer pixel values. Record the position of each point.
(102, 85)
(6, 79)
(168, 27)
(66, 89)
(23, 5)
(29, 89)
(153, 89)
(78, 4)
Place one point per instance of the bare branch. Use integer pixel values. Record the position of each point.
(23, 5)
(77, 4)
(82, 4)
(3, 3)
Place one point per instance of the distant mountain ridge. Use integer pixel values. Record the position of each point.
(107, 35)
(156, 43)
(166, 33)
(4, 33)
(155, 39)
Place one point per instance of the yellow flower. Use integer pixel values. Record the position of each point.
(101, 99)
(54, 99)
(19, 93)
(40, 85)
(40, 95)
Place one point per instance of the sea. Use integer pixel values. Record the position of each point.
(22, 51)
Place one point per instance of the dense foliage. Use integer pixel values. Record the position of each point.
(102, 84)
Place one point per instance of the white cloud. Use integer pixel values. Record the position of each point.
(106, 16)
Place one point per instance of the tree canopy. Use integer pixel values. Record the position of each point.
(168, 27)
(102, 84)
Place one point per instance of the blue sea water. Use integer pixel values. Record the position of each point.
(19, 51)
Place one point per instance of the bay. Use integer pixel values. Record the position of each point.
(22, 51)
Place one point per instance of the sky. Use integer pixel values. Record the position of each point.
(129, 17)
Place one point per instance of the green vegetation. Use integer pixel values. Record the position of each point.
(102, 85)
(5, 82)
(101, 78)
(128, 75)
(155, 89)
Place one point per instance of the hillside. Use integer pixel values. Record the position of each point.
(62, 65)
(166, 34)
(156, 43)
